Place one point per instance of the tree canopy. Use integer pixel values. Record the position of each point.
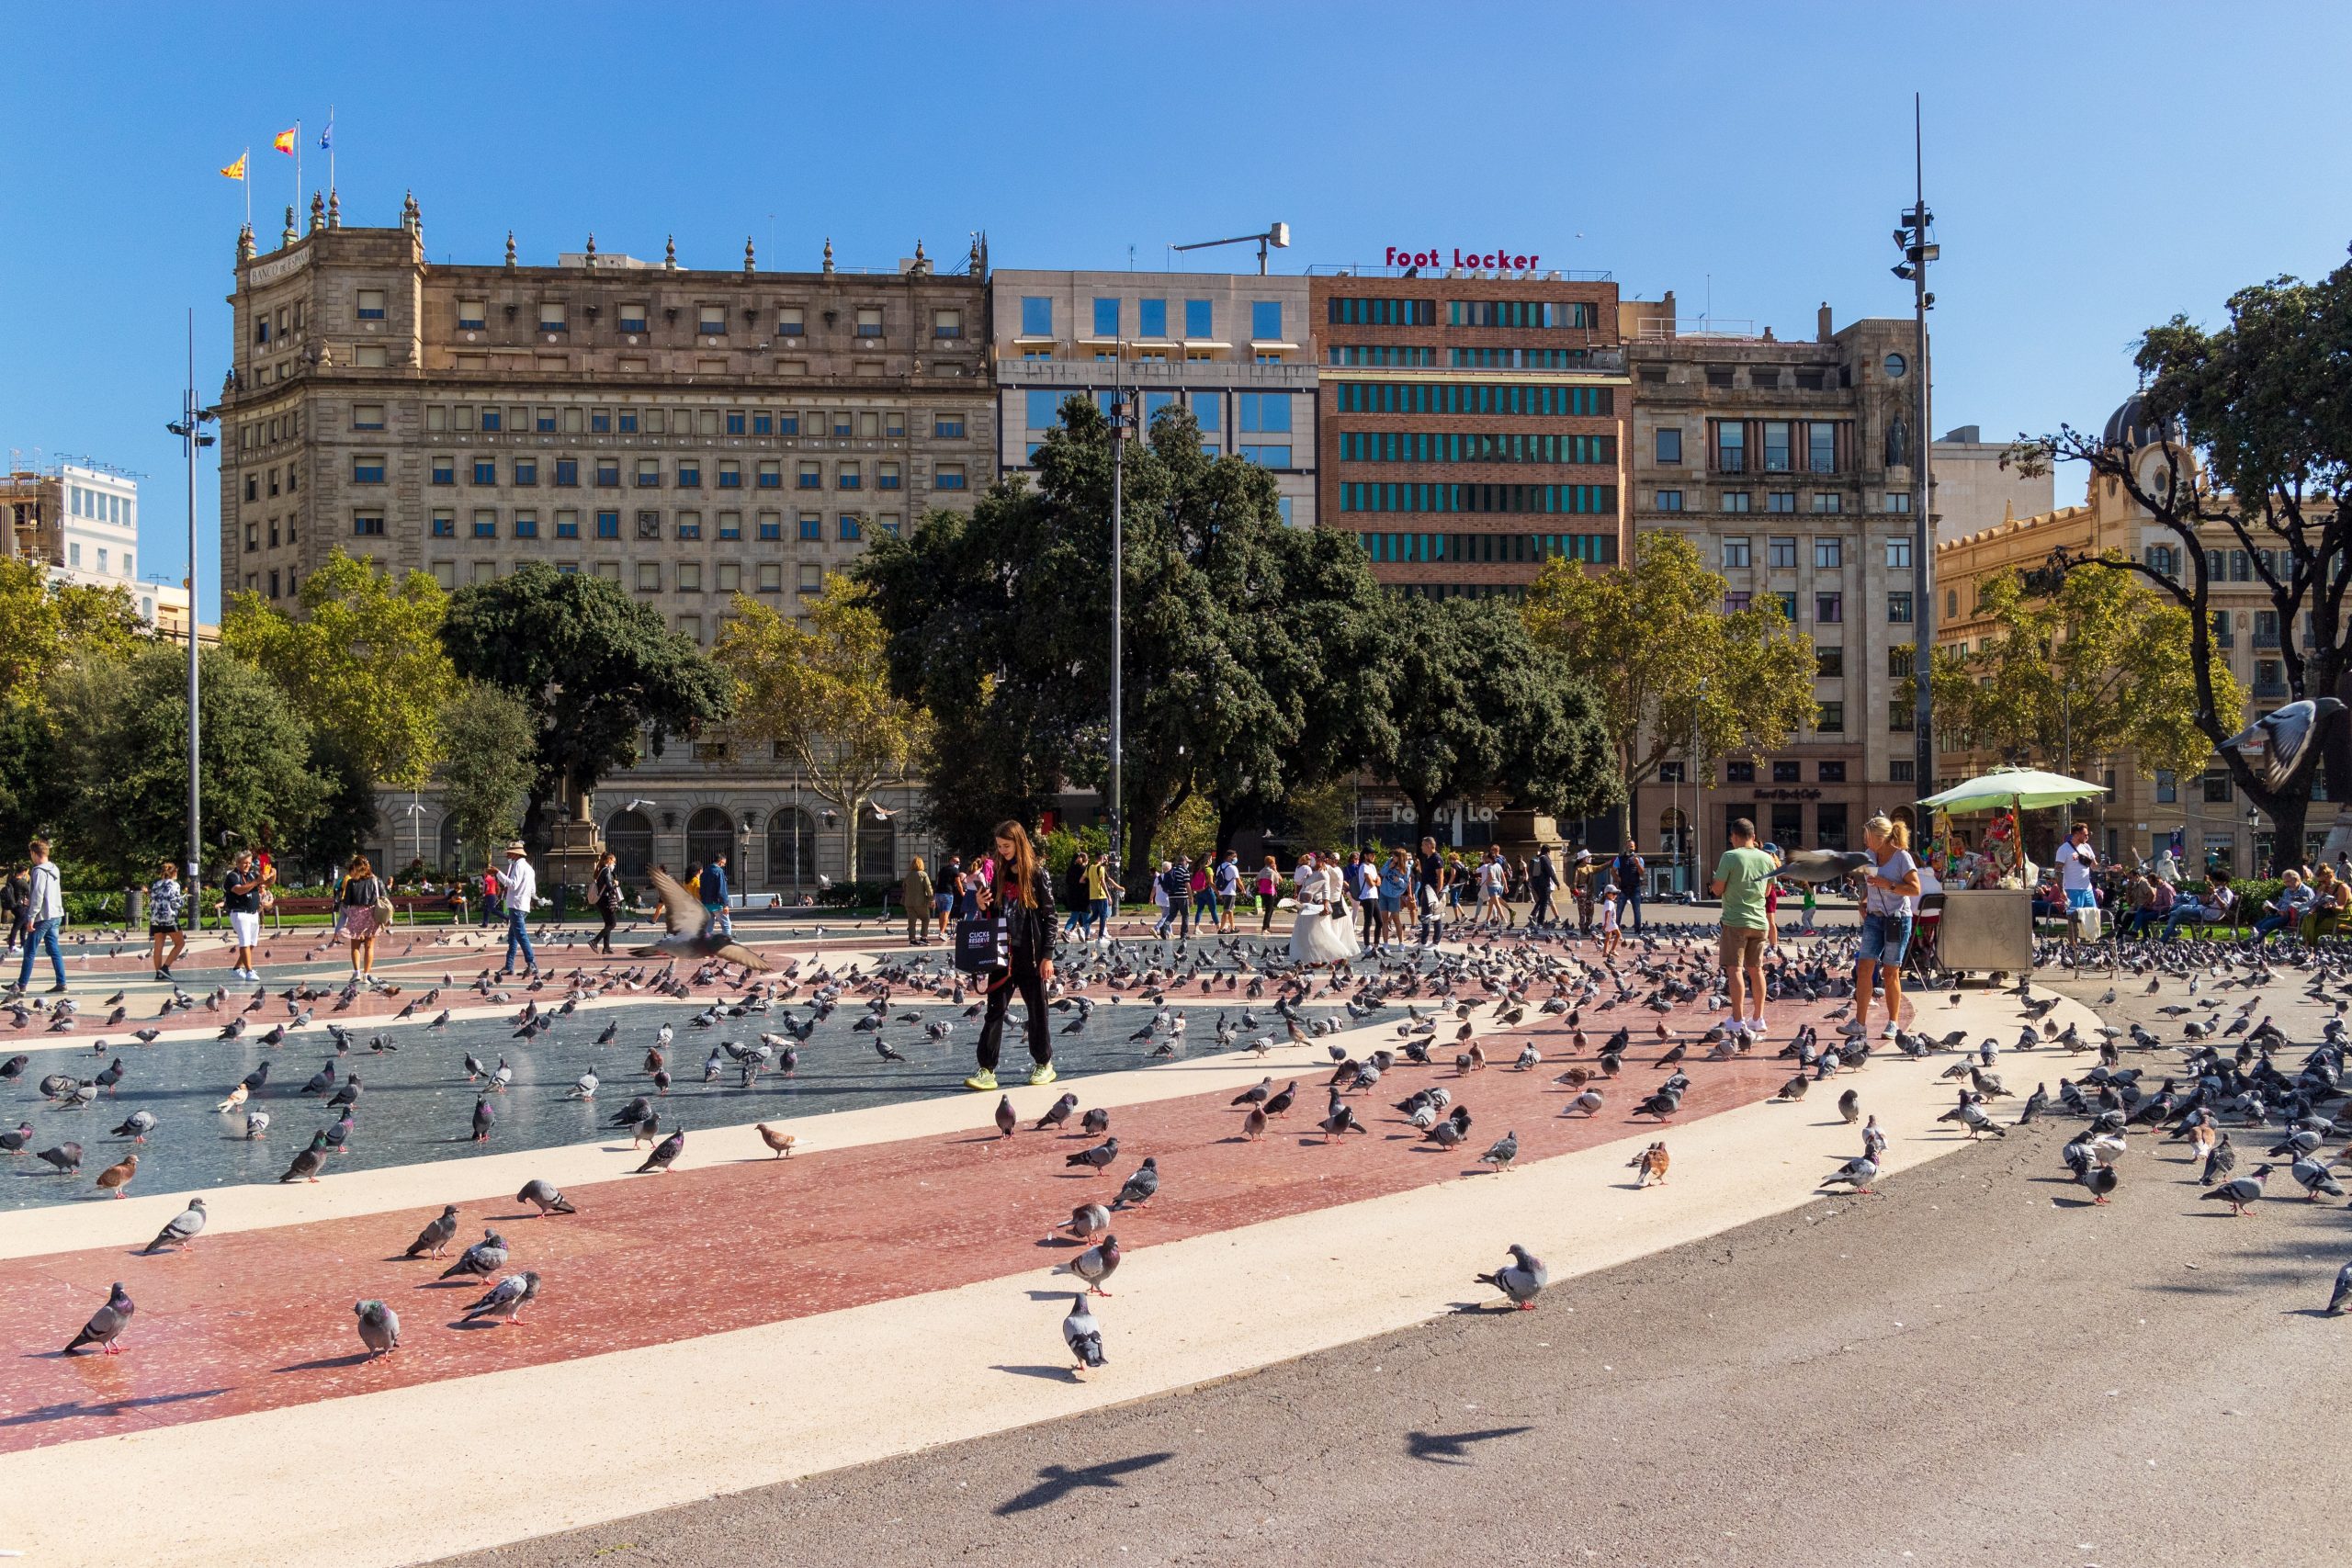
(364, 662)
(1252, 651)
(601, 673)
(123, 778)
(2253, 444)
(46, 623)
(822, 696)
(2099, 667)
(1665, 662)
(484, 739)
(1477, 707)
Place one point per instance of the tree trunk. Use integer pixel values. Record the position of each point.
(1424, 816)
(851, 806)
(1141, 827)
(2285, 811)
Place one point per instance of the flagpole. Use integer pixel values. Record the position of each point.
(297, 166)
(330, 148)
(246, 178)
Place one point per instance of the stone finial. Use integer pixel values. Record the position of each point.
(510, 247)
(287, 236)
(246, 244)
(670, 253)
(592, 250)
(922, 262)
(829, 252)
(413, 217)
(318, 212)
(978, 259)
(748, 264)
(334, 210)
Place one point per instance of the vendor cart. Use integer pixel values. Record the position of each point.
(1981, 929)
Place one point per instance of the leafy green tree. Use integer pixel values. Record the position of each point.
(2252, 445)
(47, 623)
(484, 737)
(2100, 667)
(1251, 666)
(1666, 662)
(364, 662)
(1478, 709)
(822, 696)
(123, 778)
(600, 672)
(30, 801)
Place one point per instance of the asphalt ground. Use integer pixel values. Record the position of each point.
(1975, 1366)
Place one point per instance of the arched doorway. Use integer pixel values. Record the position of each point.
(629, 835)
(792, 849)
(709, 831)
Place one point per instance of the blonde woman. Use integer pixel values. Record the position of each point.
(1890, 900)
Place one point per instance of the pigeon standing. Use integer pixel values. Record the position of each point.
(544, 1196)
(435, 1236)
(1504, 1150)
(481, 1260)
(1096, 1264)
(380, 1327)
(1006, 1122)
(665, 1153)
(1084, 1336)
(106, 1324)
(1521, 1279)
(506, 1299)
(182, 1228)
(2242, 1191)
(1140, 1188)
(1098, 1159)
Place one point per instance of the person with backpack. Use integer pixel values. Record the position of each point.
(1022, 892)
(1629, 873)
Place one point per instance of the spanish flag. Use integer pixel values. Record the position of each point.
(283, 140)
(236, 171)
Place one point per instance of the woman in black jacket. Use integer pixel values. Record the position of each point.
(1022, 892)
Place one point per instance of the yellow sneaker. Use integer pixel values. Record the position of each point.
(1043, 1073)
(983, 1080)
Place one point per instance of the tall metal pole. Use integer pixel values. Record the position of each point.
(1118, 622)
(1923, 534)
(190, 430)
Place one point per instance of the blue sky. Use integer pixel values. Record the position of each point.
(2094, 168)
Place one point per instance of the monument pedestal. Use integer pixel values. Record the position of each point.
(573, 845)
(1520, 832)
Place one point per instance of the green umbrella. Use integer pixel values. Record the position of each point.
(2028, 787)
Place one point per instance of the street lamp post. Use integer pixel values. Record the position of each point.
(1123, 425)
(190, 428)
(1697, 844)
(1919, 250)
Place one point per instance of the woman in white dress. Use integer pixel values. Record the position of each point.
(1309, 912)
(1324, 932)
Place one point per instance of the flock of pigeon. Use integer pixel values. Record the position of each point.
(1441, 1003)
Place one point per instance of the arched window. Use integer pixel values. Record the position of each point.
(792, 849)
(709, 832)
(878, 849)
(630, 837)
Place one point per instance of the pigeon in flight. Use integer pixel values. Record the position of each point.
(691, 936)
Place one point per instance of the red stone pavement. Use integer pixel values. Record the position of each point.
(260, 1319)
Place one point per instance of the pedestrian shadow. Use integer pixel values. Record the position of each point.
(1057, 1482)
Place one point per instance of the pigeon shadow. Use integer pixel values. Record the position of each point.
(76, 1409)
(467, 1325)
(1057, 1482)
(1050, 1374)
(326, 1363)
(1453, 1447)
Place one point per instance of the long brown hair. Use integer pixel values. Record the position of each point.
(1021, 867)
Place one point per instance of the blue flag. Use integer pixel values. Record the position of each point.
(326, 137)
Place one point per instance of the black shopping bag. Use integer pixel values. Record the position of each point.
(983, 946)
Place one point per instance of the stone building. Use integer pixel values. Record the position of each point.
(1977, 487)
(1789, 466)
(687, 433)
(80, 520)
(2145, 806)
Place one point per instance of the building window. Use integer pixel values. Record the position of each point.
(609, 473)
(1780, 553)
(627, 420)
(1831, 772)
(1788, 772)
(1036, 315)
(1902, 771)
(1833, 719)
(1669, 445)
(1830, 554)
(1951, 603)
(444, 525)
(648, 577)
(485, 524)
(848, 476)
(648, 524)
(2219, 789)
(444, 471)
(812, 525)
(1776, 447)
(1740, 772)
(690, 473)
(1106, 318)
(632, 317)
(792, 321)
(372, 304)
(1199, 319)
(1266, 321)
(731, 526)
(1898, 609)
(1788, 606)
(1829, 664)
(771, 527)
(1901, 717)
(1267, 456)
(566, 525)
(649, 473)
(851, 528)
(366, 416)
(608, 524)
(366, 524)
(1669, 500)
(1265, 411)
(1732, 500)
(771, 475)
(730, 473)
(771, 578)
(527, 471)
(1737, 602)
(1900, 660)
(2167, 787)
(945, 476)
(1736, 550)
(690, 577)
(886, 475)
(710, 321)
(1828, 608)
(526, 524)
(367, 469)
(472, 315)
(948, 427)
(1782, 501)
(1898, 500)
(811, 476)
(485, 470)
(869, 322)
(1898, 555)
(690, 524)
(551, 316)
(1731, 447)
(1827, 500)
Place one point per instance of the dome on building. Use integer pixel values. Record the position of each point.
(2131, 425)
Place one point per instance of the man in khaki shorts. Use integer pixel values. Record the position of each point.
(1740, 878)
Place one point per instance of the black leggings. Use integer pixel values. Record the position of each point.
(604, 936)
(1025, 979)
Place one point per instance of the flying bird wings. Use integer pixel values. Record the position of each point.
(681, 911)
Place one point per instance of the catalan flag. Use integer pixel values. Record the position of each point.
(236, 171)
(285, 140)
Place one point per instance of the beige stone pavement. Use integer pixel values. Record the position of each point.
(444, 1467)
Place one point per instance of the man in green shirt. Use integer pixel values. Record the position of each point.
(1740, 878)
